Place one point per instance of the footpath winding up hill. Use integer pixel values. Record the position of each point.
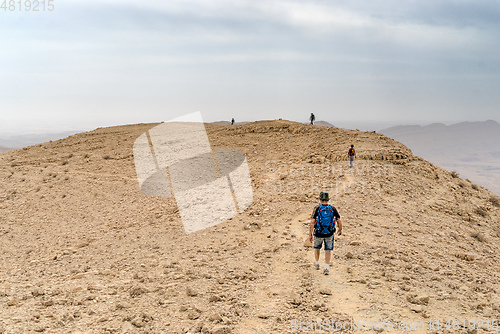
(84, 251)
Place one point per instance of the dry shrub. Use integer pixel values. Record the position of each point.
(495, 201)
(481, 211)
(479, 236)
(454, 174)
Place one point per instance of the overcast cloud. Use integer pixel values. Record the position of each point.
(100, 63)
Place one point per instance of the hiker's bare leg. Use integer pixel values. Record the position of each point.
(328, 256)
(316, 254)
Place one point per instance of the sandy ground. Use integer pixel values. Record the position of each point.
(84, 251)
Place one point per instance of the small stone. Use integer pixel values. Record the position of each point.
(416, 308)
(215, 317)
(37, 293)
(13, 302)
(355, 243)
(191, 292)
(220, 330)
(349, 255)
(317, 306)
(77, 276)
(193, 315)
(424, 299)
(325, 291)
(127, 327)
(47, 303)
(108, 272)
(263, 315)
(214, 298)
(137, 322)
(379, 251)
(40, 329)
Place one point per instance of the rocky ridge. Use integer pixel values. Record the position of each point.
(84, 251)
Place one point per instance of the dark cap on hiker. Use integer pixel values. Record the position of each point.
(324, 196)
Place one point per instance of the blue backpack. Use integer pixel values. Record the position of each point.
(325, 222)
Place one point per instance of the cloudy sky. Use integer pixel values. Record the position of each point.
(100, 63)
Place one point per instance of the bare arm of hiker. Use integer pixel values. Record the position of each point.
(311, 229)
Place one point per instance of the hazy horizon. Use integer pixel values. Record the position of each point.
(361, 125)
(89, 64)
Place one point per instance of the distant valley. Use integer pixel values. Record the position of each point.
(470, 148)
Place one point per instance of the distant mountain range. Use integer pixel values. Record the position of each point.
(470, 148)
(323, 123)
(5, 149)
(19, 141)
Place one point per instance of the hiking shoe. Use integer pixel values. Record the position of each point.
(326, 271)
(316, 265)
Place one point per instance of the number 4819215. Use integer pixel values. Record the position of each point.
(27, 5)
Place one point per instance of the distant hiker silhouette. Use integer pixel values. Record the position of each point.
(352, 155)
(232, 121)
(322, 228)
(312, 118)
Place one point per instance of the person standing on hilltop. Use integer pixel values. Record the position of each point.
(232, 121)
(322, 228)
(312, 118)
(352, 155)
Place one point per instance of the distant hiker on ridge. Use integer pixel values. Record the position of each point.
(322, 227)
(352, 155)
(232, 121)
(312, 118)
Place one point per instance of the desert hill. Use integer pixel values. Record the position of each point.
(84, 251)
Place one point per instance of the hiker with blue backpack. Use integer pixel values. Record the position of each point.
(312, 118)
(323, 226)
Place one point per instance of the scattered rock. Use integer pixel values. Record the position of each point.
(137, 291)
(48, 302)
(108, 272)
(128, 328)
(13, 302)
(220, 329)
(215, 317)
(191, 292)
(214, 298)
(263, 315)
(193, 315)
(137, 322)
(317, 306)
(37, 292)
